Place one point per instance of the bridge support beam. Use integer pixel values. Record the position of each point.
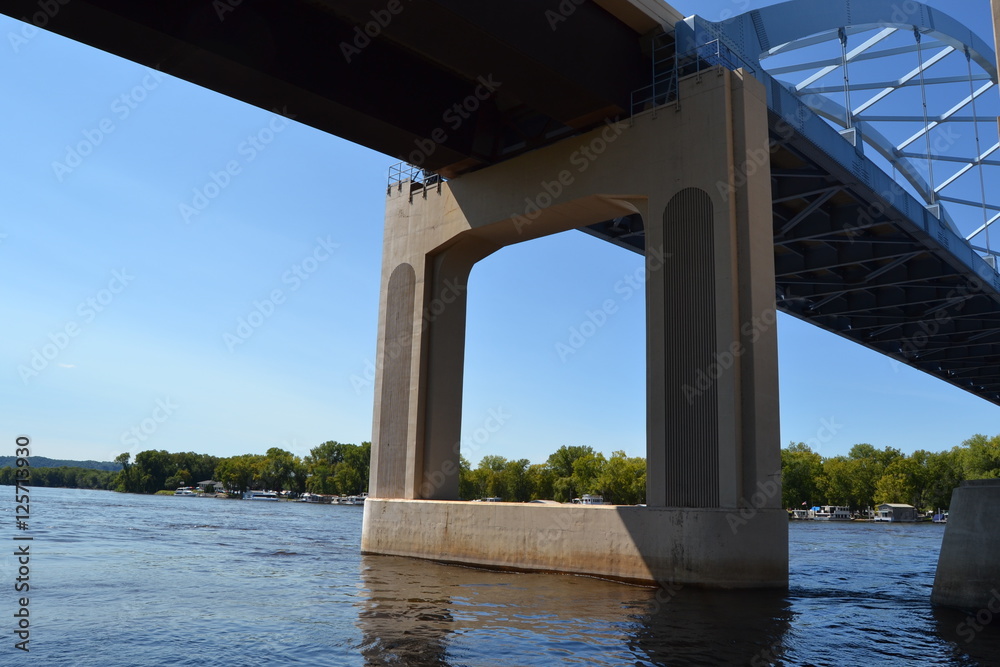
(698, 175)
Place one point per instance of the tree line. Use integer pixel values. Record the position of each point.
(568, 473)
(331, 468)
(67, 477)
(867, 477)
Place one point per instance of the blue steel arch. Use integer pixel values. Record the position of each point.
(762, 30)
(780, 28)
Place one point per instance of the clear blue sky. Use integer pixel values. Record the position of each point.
(138, 288)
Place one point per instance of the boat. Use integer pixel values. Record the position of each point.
(184, 491)
(589, 499)
(895, 513)
(832, 513)
(802, 515)
(356, 500)
(940, 517)
(492, 499)
(260, 495)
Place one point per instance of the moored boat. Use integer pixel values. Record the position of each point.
(832, 513)
(260, 495)
(589, 499)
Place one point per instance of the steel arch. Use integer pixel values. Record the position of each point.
(787, 26)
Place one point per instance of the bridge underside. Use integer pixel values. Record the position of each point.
(853, 253)
(387, 75)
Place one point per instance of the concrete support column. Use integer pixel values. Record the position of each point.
(712, 422)
(968, 570)
(421, 349)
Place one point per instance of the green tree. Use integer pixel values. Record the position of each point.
(836, 484)
(622, 479)
(153, 467)
(944, 473)
(561, 461)
(491, 469)
(981, 457)
(565, 486)
(869, 467)
(801, 475)
(338, 468)
(541, 477)
(239, 473)
(277, 469)
(899, 483)
(467, 488)
(587, 472)
(125, 482)
(516, 480)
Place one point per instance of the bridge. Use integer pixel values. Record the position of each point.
(747, 187)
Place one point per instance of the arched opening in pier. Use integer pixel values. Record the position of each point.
(555, 352)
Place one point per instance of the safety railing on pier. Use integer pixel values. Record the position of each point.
(413, 178)
(669, 69)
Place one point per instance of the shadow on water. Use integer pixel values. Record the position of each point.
(424, 614)
(974, 637)
(706, 627)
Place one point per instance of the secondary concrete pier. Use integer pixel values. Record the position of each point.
(696, 176)
(968, 571)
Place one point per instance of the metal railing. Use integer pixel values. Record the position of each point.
(668, 72)
(417, 178)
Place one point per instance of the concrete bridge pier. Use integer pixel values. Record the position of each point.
(698, 177)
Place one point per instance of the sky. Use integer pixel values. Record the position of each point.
(182, 271)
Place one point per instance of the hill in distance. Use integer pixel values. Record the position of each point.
(45, 462)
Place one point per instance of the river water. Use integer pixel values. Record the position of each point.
(159, 580)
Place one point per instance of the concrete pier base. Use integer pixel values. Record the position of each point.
(968, 572)
(713, 548)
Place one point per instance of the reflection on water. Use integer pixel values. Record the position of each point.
(859, 595)
(427, 614)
